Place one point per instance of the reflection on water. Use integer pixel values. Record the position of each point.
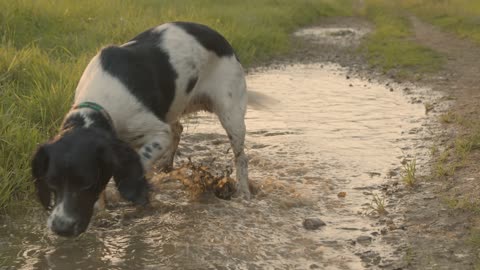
(325, 134)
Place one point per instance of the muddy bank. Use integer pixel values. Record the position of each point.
(447, 224)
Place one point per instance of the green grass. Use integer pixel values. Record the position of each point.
(448, 117)
(429, 107)
(45, 45)
(459, 16)
(409, 173)
(409, 256)
(378, 205)
(457, 155)
(474, 242)
(391, 48)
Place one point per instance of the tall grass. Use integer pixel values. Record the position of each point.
(45, 44)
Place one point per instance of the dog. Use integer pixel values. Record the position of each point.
(126, 114)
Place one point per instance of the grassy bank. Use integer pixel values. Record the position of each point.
(44, 46)
(391, 48)
(458, 16)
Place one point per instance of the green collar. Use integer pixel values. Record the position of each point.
(96, 107)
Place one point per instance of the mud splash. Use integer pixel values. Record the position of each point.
(321, 151)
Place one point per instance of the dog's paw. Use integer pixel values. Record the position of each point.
(136, 193)
(142, 199)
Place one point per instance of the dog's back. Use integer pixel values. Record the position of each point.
(146, 84)
(162, 73)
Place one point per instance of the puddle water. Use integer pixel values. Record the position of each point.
(325, 134)
(340, 36)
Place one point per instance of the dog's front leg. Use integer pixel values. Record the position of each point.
(157, 146)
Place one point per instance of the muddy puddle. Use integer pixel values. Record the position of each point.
(322, 150)
(338, 36)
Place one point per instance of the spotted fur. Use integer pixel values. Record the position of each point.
(145, 86)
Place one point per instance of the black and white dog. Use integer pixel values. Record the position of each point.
(125, 117)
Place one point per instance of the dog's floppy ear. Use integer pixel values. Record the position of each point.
(128, 174)
(40, 164)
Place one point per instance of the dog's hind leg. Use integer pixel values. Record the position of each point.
(235, 128)
(231, 110)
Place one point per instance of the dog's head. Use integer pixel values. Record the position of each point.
(72, 170)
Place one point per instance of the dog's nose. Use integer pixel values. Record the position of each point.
(64, 227)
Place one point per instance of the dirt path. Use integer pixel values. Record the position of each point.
(438, 235)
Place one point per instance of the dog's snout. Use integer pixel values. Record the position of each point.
(63, 222)
(65, 227)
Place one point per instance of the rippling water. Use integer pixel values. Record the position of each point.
(325, 134)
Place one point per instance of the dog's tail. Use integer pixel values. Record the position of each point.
(259, 101)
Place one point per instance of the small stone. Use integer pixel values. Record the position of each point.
(364, 239)
(392, 173)
(342, 194)
(429, 197)
(383, 231)
(314, 266)
(313, 223)
(370, 257)
(391, 89)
